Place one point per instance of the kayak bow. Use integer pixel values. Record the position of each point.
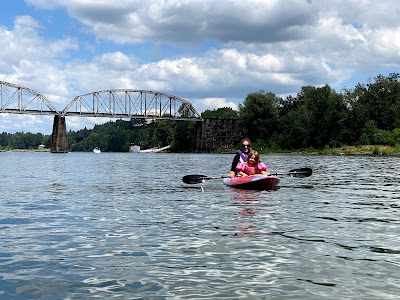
(253, 182)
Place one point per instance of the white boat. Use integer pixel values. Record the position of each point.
(96, 150)
(134, 149)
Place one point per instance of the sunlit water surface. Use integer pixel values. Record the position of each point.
(124, 226)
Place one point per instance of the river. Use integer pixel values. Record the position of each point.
(124, 226)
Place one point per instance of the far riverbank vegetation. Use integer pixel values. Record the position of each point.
(361, 120)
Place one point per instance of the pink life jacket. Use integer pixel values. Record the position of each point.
(251, 170)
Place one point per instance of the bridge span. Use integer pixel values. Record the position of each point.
(116, 103)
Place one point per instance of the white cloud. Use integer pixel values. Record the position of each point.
(77, 123)
(386, 43)
(214, 103)
(26, 123)
(25, 23)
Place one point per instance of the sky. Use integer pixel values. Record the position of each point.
(210, 53)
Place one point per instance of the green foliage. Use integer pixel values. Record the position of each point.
(22, 140)
(396, 136)
(220, 113)
(259, 115)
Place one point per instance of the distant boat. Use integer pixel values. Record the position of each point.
(96, 150)
(134, 149)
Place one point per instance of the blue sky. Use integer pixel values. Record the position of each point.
(211, 53)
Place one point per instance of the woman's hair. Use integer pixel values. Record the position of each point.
(246, 140)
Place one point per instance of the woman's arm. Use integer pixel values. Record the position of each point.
(235, 161)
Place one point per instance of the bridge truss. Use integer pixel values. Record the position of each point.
(122, 103)
(17, 99)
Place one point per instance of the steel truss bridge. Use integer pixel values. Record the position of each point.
(210, 135)
(117, 103)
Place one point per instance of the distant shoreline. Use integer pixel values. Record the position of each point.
(27, 150)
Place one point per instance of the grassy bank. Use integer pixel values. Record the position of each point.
(363, 150)
(346, 150)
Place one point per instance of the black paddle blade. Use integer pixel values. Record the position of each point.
(302, 172)
(192, 179)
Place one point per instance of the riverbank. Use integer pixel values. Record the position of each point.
(345, 150)
(364, 150)
(27, 150)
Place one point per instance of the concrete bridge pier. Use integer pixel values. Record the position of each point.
(59, 142)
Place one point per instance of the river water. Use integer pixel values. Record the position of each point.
(124, 226)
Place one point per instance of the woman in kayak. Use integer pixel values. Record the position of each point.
(241, 156)
(252, 165)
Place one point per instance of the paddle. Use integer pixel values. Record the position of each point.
(302, 172)
(193, 179)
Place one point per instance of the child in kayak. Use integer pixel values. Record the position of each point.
(252, 165)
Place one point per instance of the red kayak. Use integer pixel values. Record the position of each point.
(254, 182)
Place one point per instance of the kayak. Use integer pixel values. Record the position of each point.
(253, 182)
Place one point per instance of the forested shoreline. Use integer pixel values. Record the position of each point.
(316, 119)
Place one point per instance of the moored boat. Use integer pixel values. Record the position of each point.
(254, 182)
(97, 150)
(134, 148)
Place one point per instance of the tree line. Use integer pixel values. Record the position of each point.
(23, 140)
(315, 118)
(319, 117)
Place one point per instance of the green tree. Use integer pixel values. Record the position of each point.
(383, 101)
(396, 136)
(184, 136)
(221, 113)
(5, 140)
(259, 115)
(293, 134)
(324, 115)
(46, 141)
(118, 142)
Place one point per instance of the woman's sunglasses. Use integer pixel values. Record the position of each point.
(246, 146)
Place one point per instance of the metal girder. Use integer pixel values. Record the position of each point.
(16, 99)
(123, 103)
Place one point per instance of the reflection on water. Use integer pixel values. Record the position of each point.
(79, 226)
